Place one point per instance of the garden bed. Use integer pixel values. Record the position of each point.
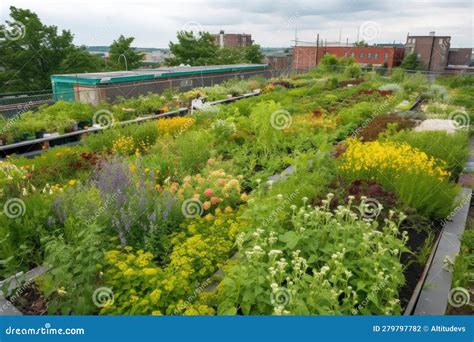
(139, 217)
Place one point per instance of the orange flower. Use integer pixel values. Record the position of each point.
(208, 192)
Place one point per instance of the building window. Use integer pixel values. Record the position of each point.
(345, 54)
(361, 55)
(352, 54)
(376, 55)
(186, 83)
(369, 55)
(385, 56)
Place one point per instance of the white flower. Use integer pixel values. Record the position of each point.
(274, 252)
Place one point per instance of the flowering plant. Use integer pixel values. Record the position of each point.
(174, 125)
(401, 168)
(198, 250)
(321, 262)
(210, 191)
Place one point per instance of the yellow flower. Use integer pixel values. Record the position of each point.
(72, 182)
(150, 271)
(61, 291)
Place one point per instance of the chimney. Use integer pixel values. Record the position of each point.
(221, 38)
(432, 33)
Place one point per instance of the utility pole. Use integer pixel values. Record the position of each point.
(317, 49)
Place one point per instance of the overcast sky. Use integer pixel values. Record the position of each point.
(272, 23)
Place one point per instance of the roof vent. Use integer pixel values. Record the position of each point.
(432, 33)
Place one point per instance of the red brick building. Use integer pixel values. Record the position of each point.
(305, 57)
(232, 39)
(432, 51)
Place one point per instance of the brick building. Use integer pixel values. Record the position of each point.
(432, 51)
(232, 39)
(461, 56)
(305, 57)
(281, 61)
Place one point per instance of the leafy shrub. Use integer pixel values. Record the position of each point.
(21, 248)
(315, 261)
(70, 283)
(198, 250)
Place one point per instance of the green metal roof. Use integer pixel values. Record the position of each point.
(149, 74)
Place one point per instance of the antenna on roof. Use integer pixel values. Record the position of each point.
(296, 37)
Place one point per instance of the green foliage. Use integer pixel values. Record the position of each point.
(353, 71)
(411, 62)
(70, 283)
(253, 54)
(80, 60)
(193, 49)
(39, 52)
(122, 56)
(314, 261)
(21, 248)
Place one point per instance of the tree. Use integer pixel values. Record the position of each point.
(253, 54)
(123, 56)
(80, 60)
(193, 50)
(411, 62)
(31, 52)
(361, 43)
(230, 55)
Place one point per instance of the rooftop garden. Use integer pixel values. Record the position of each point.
(319, 196)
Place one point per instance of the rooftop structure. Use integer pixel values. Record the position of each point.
(107, 86)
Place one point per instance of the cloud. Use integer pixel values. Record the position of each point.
(271, 22)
